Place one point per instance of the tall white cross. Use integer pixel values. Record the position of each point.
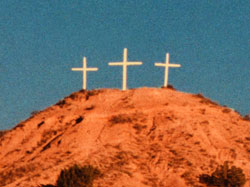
(124, 63)
(84, 69)
(167, 65)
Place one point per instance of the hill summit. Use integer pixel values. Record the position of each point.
(139, 137)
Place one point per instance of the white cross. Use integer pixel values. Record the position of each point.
(125, 63)
(167, 65)
(84, 69)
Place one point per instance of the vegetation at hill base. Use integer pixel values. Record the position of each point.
(76, 176)
(224, 176)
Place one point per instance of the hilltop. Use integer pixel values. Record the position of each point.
(139, 137)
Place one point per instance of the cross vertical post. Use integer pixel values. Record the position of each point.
(166, 65)
(84, 70)
(84, 81)
(124, 80)
(124, 64)
(166, 71)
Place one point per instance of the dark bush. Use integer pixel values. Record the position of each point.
(40, 124)
(226, 110)
(120, 118)
(90, 107)
(19, 125)
(79, 119)
(61, 103)
(75, 95)
(2, 133)
(205, 100)
(77, 176)
(224, 176)
(169, 86)
(246, 117)
(92, 93)
(35, 112)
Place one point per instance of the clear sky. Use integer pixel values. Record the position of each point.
(40, 41)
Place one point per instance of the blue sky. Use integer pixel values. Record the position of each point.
(40, 41)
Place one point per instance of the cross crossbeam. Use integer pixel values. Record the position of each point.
(124, 64)
(167, 65)
(84, 69)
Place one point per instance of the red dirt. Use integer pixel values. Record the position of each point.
(140, 137)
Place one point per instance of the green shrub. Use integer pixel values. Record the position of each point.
(224, 176)
(77, 176)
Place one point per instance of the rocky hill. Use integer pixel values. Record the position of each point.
(139, 137)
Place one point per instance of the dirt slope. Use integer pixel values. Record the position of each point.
(140, 137)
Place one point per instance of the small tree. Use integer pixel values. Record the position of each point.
(77, 176)
(224, 176)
